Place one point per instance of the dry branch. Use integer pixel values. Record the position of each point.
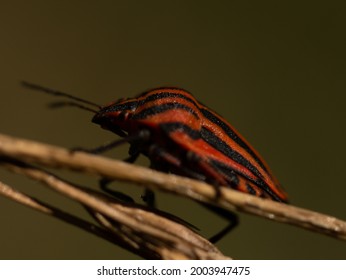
(50, 156)
(135, 228)
(45, 208)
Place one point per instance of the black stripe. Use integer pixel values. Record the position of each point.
(225, 169)
(232, 177)
(250, 189)
(173, 126)
(228, 130)
(222, 146)
(128, 106)
(162, 95)
(218, 144)
(221, 167)
(157, 109)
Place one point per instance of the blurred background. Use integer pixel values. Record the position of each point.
(274, 69)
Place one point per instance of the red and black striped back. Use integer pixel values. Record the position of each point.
(189, 138)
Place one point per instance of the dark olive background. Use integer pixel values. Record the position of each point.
(274, 69)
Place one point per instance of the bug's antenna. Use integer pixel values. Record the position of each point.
(59, 104)
(58, 93)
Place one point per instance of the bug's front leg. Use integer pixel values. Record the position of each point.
(104, 182)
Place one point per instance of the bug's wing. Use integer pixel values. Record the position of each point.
(221, 168)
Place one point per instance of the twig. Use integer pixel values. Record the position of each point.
(47, 155)
(45, 208)
(136, 229)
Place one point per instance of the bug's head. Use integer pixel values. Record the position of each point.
(115, 117)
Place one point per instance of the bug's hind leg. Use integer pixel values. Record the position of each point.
(231, 217)
(217, 179)
(200, 166)
(162, 160)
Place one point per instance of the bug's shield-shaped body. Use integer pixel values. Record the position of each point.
(188, 138)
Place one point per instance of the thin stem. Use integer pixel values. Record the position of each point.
(141, 231)
(228, 199)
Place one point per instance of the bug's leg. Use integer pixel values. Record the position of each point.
(102, 148)
(134, 153)
(104, 182)
(149, 198)
(142, 136)
(162, 156)
(106, 147)
(116, 194)
(219, 179)
(231, 217)
(165, 161)
(160, 160)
